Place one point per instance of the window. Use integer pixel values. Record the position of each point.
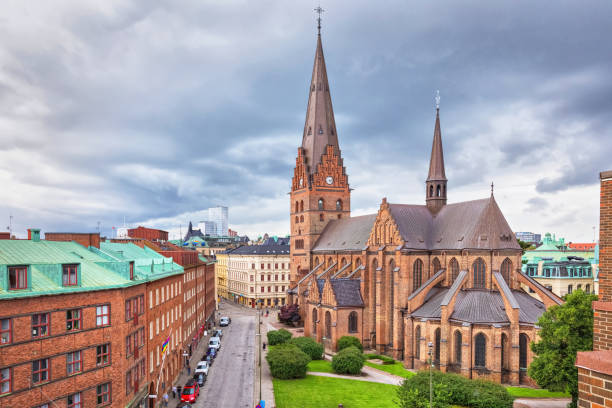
(40, 325)
(252, 278)
(102, 315)
(69, 275)
(587, 288)
(479, 268)
(128, 382)
(437, 346)
(73, 319)
(252, 266)
(5, 381)
(506, 268)
(458, 341)
(269, 267)
(262, 266)
(454, 267)
(103, 355)
(436, 265)
(314, 321)
(282, 276)
(417, 342)
(252, 289)
(74, 400)
(141, 305)
(18, 277)
(6, 334)
(132, 270)
(320, 205)
(523, 344)
(276, 277)
(40, 371)
(269, 289)
(321, 218)
(74, 362)
(417, 274)
(352, 322)
(339, 205)
(103, 394)
(262, 289)
(328, 325)
(569, 288)
(481, 350)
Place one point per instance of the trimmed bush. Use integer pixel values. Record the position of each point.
(348, 361)
(457, 390)
(276, 337)
(287, 361)
(349, 341)
(313, 349)
(383, 358)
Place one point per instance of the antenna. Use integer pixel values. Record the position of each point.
(491, 189)
(319, 11)
(437, 99)
(98, 227)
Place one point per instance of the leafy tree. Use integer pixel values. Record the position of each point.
(524, 245)
(565, 330)
(276, 337)
(348, 361)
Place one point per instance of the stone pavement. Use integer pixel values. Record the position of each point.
(267, 387)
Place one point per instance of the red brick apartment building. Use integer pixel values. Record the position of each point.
(595, 367)
(148, 233)
(83, 322)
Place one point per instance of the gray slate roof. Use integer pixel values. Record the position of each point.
(261, 250)
(347, 291)
(346, 234)
(480, 306)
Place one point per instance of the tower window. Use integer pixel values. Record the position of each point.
(309, 130)
(438, 191)
(431, 191)
(321, 218)
(320, 203)
(339, 205)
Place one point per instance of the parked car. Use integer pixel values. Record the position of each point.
(202, 368)
(218, 333)
(200, 379)
(210, 360)
(225, 321)
(211, 352)
(215, 343)
(191, 391)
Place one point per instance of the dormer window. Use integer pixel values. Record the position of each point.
(18, 277)
(69, 275)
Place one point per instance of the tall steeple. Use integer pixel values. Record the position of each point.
(320, 125)
(436, 179)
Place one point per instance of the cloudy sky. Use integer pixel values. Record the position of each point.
(155, 110)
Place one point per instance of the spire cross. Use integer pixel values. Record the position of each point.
(437, 99)
(491, 188)
(319, 11)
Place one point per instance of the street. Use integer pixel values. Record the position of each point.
(230, 380)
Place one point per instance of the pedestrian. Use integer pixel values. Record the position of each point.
(174, 391)
(188, 369)
(165, 399)
(264, 345)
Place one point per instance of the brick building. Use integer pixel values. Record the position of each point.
(595, 367)
(150, 234)
(409, 275)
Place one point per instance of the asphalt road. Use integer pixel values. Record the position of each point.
(230, 379)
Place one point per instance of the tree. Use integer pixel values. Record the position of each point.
(525, 246)
(565, 330)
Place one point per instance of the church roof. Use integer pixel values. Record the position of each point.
(346, 291)
(346, 234)
(480, 306)
(468, 224)
(320, 125)
(436, 164)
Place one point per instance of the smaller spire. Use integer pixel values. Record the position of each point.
(319, 11)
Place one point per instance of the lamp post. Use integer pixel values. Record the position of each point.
(430, 346)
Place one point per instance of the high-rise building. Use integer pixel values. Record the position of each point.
(216, 222)
(528, 237)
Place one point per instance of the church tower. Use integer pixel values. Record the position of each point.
(319, 189)
(435, 185)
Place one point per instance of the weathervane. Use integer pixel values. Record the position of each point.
(319, 11)
(438, 99)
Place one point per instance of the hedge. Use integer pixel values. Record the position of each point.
(276, 337)
(287, 361)
(349, 341)
(383, 358)
(456, 390)
(348, 361)
(313, 349)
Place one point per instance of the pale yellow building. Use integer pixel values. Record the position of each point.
(258, 274)
(221, 275)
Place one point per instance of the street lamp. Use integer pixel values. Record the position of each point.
(430, 346)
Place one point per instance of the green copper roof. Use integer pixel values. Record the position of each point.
(148, 264)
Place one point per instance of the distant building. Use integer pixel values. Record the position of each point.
(148, 233)
(582, 246)
(208, 227)
(216, 222)
(232, 233)
(221, 274)
(528, 237)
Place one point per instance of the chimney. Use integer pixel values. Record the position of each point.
(34, 234)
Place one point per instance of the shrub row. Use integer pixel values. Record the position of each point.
(348, 361)
(313, 349)
(276, 337)
(384, 359)
(452, 389)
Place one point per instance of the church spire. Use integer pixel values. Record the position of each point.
(320, 126)
(436, 179)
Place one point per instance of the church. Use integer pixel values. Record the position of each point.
(412, 279)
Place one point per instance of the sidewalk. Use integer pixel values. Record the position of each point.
(267, 388)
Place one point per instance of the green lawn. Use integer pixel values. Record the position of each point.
(326, 392)
(320, 366)
(520, 392)
(396, 369)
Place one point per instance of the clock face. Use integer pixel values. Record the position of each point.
(329, 180)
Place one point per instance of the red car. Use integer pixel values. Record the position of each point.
(191, 391)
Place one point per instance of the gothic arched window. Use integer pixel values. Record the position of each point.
(339, 205)
(506, 268)
(436, 265)
(437, 345)
(297, 219)
(301, 218)
(328, 325)
(431, 191)
(438, 191)
(314, 321)
(296, 207)
(321, 217)
(302, 205)
(458, 341)
(479, 268)
(320, 204)
(417, 274)
(417, 342)
(523, 344)
(454, 267)
(480, 352)
(352, 322)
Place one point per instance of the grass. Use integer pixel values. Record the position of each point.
(326, 392)
(396, 369)
(520, 392)
(320, 366)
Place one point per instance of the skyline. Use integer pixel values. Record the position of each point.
(529, 90)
